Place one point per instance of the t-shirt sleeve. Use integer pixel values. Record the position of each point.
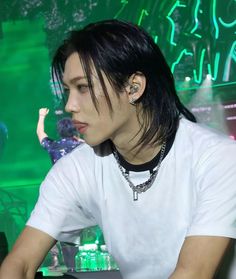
(215, 212)
(61, 207)
(46, 143)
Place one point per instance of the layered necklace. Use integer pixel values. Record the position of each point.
(143, 187)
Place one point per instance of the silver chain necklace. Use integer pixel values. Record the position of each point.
(143, 187)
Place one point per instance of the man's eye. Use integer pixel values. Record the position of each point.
(83, 88)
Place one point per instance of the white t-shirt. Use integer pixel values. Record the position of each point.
(194, 193)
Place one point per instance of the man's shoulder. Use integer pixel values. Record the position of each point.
(204, 142)
(46, 142)
(200, 132)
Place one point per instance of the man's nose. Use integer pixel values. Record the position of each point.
(72, 105)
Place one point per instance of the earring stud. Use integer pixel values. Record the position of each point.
(134, 88)
(132, 101)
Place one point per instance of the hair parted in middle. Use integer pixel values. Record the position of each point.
(119, 49)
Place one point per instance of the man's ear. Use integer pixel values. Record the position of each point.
(136, 86)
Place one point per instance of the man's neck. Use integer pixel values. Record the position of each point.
(138, 156)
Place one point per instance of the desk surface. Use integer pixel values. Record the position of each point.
(96, 275)
(113, 274)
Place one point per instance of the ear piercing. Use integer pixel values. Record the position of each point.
(132, 101)
(134, 88)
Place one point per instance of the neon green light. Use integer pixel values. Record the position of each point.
(155, 38)
(124, 3)
(199, 78)
(210, 86)
(214, 20)
(216, 66)
(177, 4)
(198, 35)
(209, 69)
(232, 55)
(143, 13)
(184, 51)
(227, 25)
(195, 17)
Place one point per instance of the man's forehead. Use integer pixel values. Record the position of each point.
(74, 71)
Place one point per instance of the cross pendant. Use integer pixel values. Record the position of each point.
(135, 195)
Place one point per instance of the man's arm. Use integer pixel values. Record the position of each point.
(200, 257)
(27, 254)
(40, 126)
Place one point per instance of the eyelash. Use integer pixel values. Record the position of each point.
(82, 88)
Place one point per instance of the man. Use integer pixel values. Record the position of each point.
(161, 187)
(69, 139)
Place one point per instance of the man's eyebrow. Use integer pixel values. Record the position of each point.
(73, 80)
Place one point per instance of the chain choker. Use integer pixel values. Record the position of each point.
(143, 187)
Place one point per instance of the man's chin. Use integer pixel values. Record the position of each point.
(93, 142)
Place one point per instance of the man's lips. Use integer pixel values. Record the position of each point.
(80, 126)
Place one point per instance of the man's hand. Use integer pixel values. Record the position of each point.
(40, 126)
(43, 111)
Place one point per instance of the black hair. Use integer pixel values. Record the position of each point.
(66, 128)
(119, 49)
